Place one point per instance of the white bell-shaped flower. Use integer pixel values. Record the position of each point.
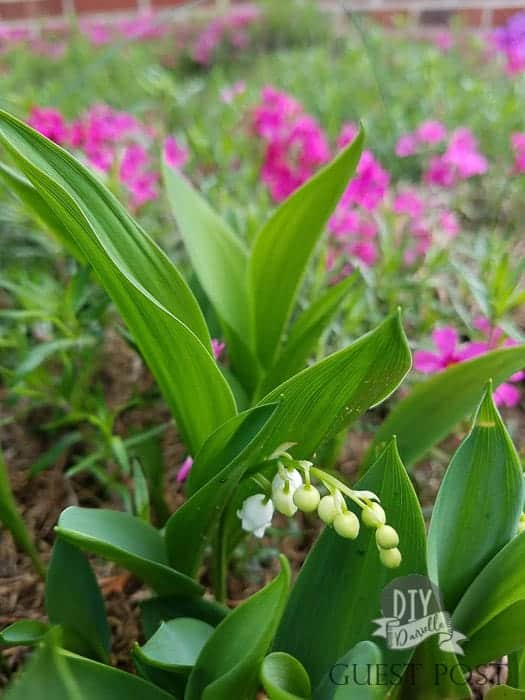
(256, 514)
(292, 475)
(284, 485)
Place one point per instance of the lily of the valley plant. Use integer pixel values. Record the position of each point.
(257, 430)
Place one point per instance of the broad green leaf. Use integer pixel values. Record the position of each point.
(320, 401)
(74, 601)
(491, 613)
(154, 611)
(191, 527)
(13, 521)
(354, 676)
(284, 678)
(217, 255)
(284, 245)
(228, 666)
(434, 674)
(153, 298)
(504, 692)
(23, 633)
(305, 334)
(55, 674)
(38, 206)
(341, 581)
(478, 505)
(516, 666)
(439, 403)
(127, 541)
(176, 645)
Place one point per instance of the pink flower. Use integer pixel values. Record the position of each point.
(50, 123)
(133, 161)
(439, 172)
(369, 185)
(518, 144)
(183, 472)
(431, 132)
(143, 189)
(229, 94)
(449, 352)
(347, 134)
(444, 41)
(175, 155)
(406, 146)
(449, 223)
(408, 202)
(462, 153)
(217, 347)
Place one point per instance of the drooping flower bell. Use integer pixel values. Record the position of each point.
(256, 514)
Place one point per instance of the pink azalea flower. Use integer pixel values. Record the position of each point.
(183, 472)
(518, 144)
(444, 41)
(133, 161)
(431, 132)
(217, 347)
(347, 134)
(449, 352)
(369, 185)
(463, 155)
(143, 189)
(175, 155)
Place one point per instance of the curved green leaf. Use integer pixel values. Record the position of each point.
(23, 633)
(190, 528)
(439, 403)
(74, 601)
(284, 678)
(127, 541)
(59, 675)
(156, 610)
(341, 581)
(491, 613)
(354, 676)
(38, 206)
(217, 255)
(504, 692)
(176, 645)
(305, 334)
(320, 401)
(151, 295)
(228, 666)
(478, 505)
(284, 245)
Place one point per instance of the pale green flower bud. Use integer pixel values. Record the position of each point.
(283, 502)
(373, 515)
(307, 498)
(328, 509)
(391, 558)
(386, 537)
(347, 525)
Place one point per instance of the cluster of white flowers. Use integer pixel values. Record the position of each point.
(291, 490)
(521, 524)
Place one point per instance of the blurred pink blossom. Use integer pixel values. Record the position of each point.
(431, 132)
(50, 123)
(183, 472)
(410, 203)
(217, 347)
(175, 155)
(406, 146)
(229, 94)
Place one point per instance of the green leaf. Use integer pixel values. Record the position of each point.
(323, 399)
(74, 601)
(38, 206)
(218, 257)
(354, 676)
(439, 403)
(140, 491)
(228, 666)
(23, 633)
(127, 541)
(284, 245)
(154, 611)
(153, 298)
(13, 521)
(305, 335)
(55, 674)
(491, 613)
(478, 505)
(341, 581)
(191, 527)
(176, 645)
(284, 678)
(50, 456)
(42, 352)
(504, 692)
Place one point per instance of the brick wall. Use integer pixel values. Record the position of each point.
(428, 13)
